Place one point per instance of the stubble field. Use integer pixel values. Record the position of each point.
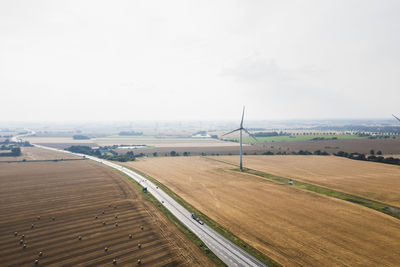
(292, 226)
(376, 181)
(68, 196)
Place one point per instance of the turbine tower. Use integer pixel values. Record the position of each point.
(395, 117)
(240, 129)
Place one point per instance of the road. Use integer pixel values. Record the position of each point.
(229, 253)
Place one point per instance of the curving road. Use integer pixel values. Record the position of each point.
(229, 253)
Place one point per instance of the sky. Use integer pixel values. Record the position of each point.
(198, 60)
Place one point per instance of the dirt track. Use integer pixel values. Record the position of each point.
(294, 227)
(74, 193)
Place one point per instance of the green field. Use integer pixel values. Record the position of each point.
(285, 138)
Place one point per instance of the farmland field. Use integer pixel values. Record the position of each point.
(74, 193)
(59, 142)
(35, 153)
(286, 138)
(376, 181)
(290, 225)
(159, 141)
(41, 140)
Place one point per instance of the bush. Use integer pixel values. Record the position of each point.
(268, 153)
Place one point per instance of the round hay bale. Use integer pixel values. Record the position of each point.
(15, 233)
(106, 249)
(53, 218)
(24, 246)
(141, 227)
(21, 241)
(139, 261)
(139, 245)
(96, 217)
(116, 224)
(115, 261)
(130, 236)
(80, 237)
(32, 226)
(104, 223)
(23, 236)
(36, 262)
(38, 218)
(40, 254)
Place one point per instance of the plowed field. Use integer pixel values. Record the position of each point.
(292, 226)
(68, 196)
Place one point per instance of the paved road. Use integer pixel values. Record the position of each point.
(228, 252)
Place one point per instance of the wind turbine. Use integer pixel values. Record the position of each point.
(240, 129)
(396, 117)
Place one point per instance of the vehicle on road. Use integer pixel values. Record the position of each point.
(197, 219)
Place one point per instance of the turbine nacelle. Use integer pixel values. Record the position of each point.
(241, 128)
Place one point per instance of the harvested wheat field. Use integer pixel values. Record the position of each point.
(292, 226)
(377, 181)
(72, 211)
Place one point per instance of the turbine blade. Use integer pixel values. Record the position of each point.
(395, 117)
(231, 132)
(250, 134)
(241, 122)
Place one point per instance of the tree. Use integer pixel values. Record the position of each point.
(372, 152)
(16, 151)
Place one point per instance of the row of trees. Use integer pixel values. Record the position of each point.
(80, 137)
(323, 138)
(15, 152)
(110, 155)
(130, 133)
(300, 152)
(361, 156)
(268, 134)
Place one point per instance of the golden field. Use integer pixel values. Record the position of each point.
(290, 225)
(376, 181)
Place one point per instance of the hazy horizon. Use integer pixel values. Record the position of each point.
(198, 60)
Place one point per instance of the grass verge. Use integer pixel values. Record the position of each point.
(189, 234)
(227, 234)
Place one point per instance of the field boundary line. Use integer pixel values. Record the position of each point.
(213, 224)
(387, 209)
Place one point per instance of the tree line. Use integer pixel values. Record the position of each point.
(361, 156)
(109, 155)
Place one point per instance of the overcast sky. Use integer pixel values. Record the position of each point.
(182, 60)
